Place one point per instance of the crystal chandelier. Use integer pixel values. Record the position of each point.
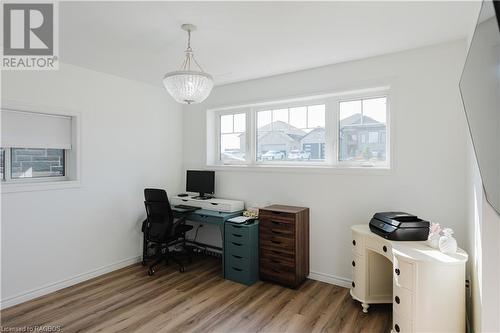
(189, 85)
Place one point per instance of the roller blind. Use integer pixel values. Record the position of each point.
(22, 129)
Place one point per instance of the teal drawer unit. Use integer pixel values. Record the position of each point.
(241, 252)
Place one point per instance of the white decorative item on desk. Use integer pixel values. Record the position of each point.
(434, 235)
(447, 243)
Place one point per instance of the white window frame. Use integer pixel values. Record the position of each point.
(332, 114)
(72, 158)
(218, 136)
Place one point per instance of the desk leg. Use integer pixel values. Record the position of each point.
(222, 232)
(365, 307)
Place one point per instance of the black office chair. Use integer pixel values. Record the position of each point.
(161, 229)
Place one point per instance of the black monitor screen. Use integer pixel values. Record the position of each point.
(200, 181)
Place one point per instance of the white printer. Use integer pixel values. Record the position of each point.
(215, 204)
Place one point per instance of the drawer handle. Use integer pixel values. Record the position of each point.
(237, 257)
(384, 248)
(353, 242)
(237, 244)
(237, 269)
(214, 203)
(236, 226)
(276, 222)
(277, 252)
(276, 232)
(397, 299)
(353, 284)
(275, 242)
(275, 261)
(236, 235)
(397, 271)
(275, 270)
(353, 264)
(185, 200)
(277, 213)
(396, 327)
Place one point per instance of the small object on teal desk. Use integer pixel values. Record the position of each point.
(240, 219)
(241, 252)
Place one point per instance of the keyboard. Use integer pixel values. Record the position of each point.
(187, 207)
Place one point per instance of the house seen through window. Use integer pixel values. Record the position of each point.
(2, 164)
(36, 163)
(362, 130)
(291, 134)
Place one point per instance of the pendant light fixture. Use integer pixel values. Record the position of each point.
(189, 85)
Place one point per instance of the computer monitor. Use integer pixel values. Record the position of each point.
(202, 182)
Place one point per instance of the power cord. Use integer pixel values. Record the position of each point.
(196, 248)
(196, 232)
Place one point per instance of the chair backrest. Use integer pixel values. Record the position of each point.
(160, 217)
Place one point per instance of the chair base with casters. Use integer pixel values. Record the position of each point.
(165, 254)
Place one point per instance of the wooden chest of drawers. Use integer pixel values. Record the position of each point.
(284, 244)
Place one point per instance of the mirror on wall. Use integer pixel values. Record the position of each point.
(480, 89)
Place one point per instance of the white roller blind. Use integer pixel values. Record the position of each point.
(35, 130)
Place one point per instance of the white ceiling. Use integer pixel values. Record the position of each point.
(243, 40)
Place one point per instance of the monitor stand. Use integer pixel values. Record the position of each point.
(202, 196)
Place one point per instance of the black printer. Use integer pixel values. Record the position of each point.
(399, 226)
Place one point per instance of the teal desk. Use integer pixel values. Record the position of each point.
(209, 217)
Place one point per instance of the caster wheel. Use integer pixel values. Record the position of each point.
(143, 263)
(181, 269)
(151, 271)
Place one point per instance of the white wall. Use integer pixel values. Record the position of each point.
(429, 139)
(484, 251)
(130, 139)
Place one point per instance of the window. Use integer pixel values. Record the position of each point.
(36, 163)
(337, 130)
(360, 119)
(2, 164)
(232, 137)
(295, 134)
(36, 146)
(26, 163)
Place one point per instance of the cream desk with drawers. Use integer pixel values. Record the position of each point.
(425, 286)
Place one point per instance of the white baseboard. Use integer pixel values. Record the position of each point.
(49, 288)
(331, 279)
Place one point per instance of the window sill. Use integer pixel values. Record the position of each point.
(317, 169)
(39, 186)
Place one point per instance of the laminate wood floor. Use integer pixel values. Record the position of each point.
(199, 300)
